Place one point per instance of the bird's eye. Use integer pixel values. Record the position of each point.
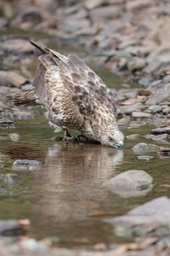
(110, 139)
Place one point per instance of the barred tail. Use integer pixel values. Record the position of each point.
(22, 97)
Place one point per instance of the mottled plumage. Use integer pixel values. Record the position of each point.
(75, 97)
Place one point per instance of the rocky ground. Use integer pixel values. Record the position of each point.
(131, 38)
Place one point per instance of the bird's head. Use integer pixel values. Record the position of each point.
(113, 138)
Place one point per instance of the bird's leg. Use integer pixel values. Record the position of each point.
(67, 135)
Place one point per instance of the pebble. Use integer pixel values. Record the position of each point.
(14, 136)
(26, 165)
(145, 158)
(132, 137)
(164, 151)
(139, 114)
(136, 64)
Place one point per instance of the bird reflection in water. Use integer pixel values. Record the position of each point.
(72, 179)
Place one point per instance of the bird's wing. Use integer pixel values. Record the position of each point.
(70, 83)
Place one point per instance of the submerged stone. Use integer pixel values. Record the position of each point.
(25, 164)
(146, 158)
(142, 148)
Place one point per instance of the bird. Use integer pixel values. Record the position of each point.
(75, 97)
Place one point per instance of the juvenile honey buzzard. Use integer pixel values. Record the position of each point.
(75, 97)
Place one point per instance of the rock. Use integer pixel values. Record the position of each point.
(166, 110)
(14, 136)
(145, 158)
(16, 45)
(164, 152)
(10, 178)
(136, 64)
(161, 130)
(133, 5)
(92, 4)
(131, 109)
(6, 123)
(132, 137)
(13, 227)
(143, 148)
(139, 114)
(73, 25)
(25, 164)
(154, 109)
(11, 78)
(160, 94)
(144, 219)
(162, 138)
(131, 183)
(105, 12)
(157, 207)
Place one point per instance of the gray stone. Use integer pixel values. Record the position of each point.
(136, 64)
(132, 137)
(131, 183)
(25, 164)
(164, 152)
(145, 158)
(139, 114)
(143, 148)
(11, 78)
(92, 4)
(161, 130)
(159, 95)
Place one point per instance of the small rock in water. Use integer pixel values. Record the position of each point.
(131, 183)
(146, 158)
(6, 123)
(132, 137)
(13, 227)
(25, 164)
(161, 130)
(164, 152)
(149, 217)
(143, 148)
(14, 136)
(162, 138)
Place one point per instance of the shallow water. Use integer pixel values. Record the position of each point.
(67, 199)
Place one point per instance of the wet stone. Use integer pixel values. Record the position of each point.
(131, 183)
(26, 165)
(10, 178)
(148, 218)
(132, 137)
(154, 109)
(14, 136)
(164, 151)
(142, 148)
(13, 227)
(161, 130)
(6, 123)
(162, 138)
(145, 158)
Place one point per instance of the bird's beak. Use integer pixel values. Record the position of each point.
(120, 145)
